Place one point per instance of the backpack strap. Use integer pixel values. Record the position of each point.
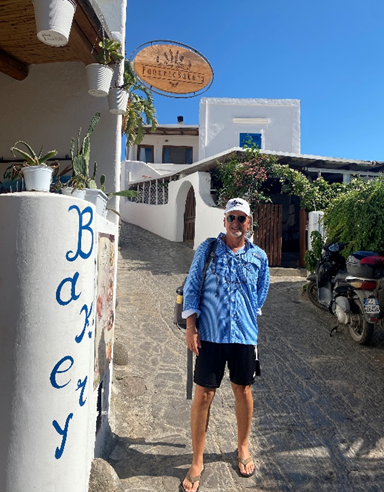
(210, 256)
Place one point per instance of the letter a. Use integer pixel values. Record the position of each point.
(74, 296)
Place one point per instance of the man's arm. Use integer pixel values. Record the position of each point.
(192, 335)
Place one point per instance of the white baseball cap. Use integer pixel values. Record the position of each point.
(237, 204)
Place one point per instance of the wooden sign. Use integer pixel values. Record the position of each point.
(173, 69)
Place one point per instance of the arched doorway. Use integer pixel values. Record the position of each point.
(189, 217)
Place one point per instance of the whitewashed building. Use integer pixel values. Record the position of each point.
(182, 189)
(57, 261)
(272, 124)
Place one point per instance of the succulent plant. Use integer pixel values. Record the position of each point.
(30, 156)
(110, 52)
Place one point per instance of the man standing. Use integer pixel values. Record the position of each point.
(235, 288)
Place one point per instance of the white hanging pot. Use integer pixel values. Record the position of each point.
(117, 100)
(73, 192)
(37, 178)
(99, 79)
(54, 20)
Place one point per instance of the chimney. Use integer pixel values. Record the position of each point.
(180, 120)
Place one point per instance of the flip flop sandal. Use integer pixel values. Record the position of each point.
(245, 462)
(192, 480)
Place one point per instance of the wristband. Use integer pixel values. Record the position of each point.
(191, 326)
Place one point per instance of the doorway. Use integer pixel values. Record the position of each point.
(190, 218)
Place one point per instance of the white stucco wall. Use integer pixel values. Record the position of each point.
(48, 245)
(158, 141)
(48, 108)
(221, 120)
(168, 220)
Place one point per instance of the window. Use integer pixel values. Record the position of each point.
(177, 155)
(253, 137)
(145, 153)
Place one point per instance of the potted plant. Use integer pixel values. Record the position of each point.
(54, 20)
(99, 75)
(36, 172)
(80, 154)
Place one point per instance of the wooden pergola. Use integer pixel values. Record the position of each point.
(20, 47)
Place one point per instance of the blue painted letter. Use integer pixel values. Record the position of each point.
(82, 227)
(79, 338)
(82, 384)
(62, 432)
(74, 296)
(56, 370)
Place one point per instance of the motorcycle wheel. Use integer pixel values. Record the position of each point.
(360, 330)
(312, 295)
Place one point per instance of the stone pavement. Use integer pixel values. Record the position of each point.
(319, 403)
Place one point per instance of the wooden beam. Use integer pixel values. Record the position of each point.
(12, 67)
(81, 46)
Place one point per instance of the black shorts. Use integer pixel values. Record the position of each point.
(212, 359)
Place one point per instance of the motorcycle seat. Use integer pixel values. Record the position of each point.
(341, 276)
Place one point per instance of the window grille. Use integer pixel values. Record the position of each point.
(152, 193)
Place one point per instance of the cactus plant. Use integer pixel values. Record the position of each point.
(80, 155)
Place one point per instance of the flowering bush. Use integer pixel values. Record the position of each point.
(247, 179)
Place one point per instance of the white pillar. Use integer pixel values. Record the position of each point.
(47, 292)
(315, 223)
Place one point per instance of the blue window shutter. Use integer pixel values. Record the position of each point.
(166, 155)
(254, 137)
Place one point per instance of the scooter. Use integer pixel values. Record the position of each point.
(349, 289)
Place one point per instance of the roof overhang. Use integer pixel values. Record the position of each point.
(169, 130)
(300, 162)
(20, 47)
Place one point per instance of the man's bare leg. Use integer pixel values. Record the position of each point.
(244, 413)
(199, 424)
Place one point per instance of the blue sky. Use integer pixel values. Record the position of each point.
(328, 54)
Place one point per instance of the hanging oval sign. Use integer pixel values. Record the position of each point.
(173, 68)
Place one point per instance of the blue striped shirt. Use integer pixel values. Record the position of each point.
(235, 288)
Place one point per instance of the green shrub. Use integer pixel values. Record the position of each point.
(356, 216)
(312, 257)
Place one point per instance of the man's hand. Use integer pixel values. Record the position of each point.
(192, 339)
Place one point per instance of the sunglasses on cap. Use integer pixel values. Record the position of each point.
(240, 218)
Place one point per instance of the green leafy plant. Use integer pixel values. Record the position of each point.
(312, 256)
(140, 108)
(356, 216)
(247, 177)
(30, 156)
(110, 52)
(244, 178)
(80, 155)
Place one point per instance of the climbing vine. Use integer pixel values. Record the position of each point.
(353, 212)
(246, 178)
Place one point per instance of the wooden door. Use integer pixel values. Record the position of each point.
(189, 217)
(268, 218)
